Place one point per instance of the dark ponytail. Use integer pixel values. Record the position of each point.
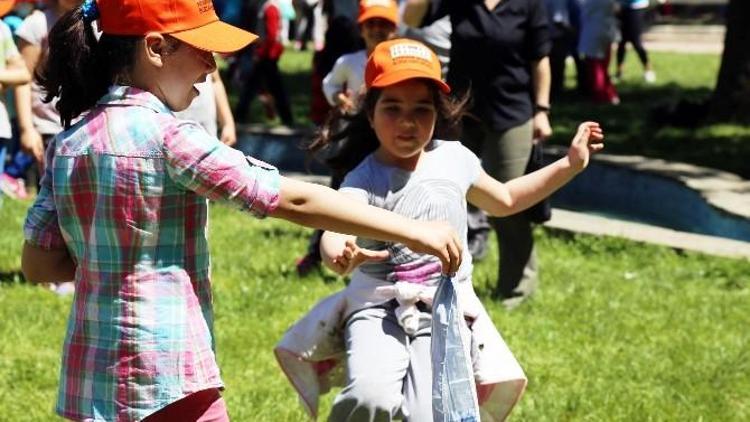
(78, 69)
(362, 139)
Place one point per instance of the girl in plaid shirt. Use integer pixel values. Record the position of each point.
(122, 209)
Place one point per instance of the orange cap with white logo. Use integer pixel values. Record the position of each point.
(398, 60)
(383, 9)
(191, 21)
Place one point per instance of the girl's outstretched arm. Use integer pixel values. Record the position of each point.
(321, 207)
(502, 199)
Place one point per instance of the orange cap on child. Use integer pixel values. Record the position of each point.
(384, 9)
(398, 60)
(191, 21)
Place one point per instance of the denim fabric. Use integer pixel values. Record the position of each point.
(453, 398)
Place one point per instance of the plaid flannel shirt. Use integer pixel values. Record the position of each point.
(125, 192)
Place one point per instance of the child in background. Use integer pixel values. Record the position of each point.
(38, 122)
(384, 312)
(378, 20)
(212, 107)
(265, 68)
(13, 72)
(123, 209)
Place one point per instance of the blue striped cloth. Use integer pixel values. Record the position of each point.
(453, 390)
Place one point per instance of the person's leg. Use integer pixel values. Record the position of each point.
(621, 46)
(636, 24)
(276, 88)
(203, 406)
(505, 157)
(377, 360)
(478, 227)
(252, 76)
(418, 383)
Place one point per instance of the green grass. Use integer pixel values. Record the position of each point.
(618, 331)
(628, 127)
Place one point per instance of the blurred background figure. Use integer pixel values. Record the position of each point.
(263, 71)
(631, 17)
(212, 111)
(564, 21)
(598, 32)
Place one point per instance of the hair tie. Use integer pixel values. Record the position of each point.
(90, 11)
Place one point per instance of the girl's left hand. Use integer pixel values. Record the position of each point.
(353, 256)
(588, 140)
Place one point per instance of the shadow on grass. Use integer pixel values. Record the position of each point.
(643, 124)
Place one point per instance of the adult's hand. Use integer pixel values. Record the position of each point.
(542, 128)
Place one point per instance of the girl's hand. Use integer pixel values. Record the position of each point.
(438, 239)
(345, 103)
(352, 256)
(588, 140)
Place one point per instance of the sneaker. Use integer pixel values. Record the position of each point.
(649, 76)
(65, 288)
(12, 187)
(307, 264)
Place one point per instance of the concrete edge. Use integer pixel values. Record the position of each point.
(595, 225)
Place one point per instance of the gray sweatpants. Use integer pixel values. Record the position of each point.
(389, 373)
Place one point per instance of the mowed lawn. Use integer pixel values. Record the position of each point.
(619, 331)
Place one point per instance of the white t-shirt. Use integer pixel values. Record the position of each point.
(436, 190)
(8, 50)
(34, 30)
(203, 107)
(348, 72)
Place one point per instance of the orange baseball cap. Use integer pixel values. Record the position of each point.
(6, 6)
(401, 59)
(384, 9)
(191, 21)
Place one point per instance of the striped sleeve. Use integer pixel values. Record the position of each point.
(201, 163)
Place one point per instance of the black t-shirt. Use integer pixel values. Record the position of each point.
(492, 52)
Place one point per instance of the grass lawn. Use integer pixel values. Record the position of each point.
(618, 331)
(629, 128)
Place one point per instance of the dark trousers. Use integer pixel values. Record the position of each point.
(631, 26)
(265, 73)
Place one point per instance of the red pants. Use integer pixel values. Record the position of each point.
(203, 406)
(597, 76)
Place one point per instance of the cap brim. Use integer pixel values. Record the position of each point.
(217, 36)
(393, 78)
(371, 14)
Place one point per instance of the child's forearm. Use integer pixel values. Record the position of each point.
(529, 189)
(321, 207)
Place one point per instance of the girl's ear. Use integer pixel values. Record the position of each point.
(156, 48)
